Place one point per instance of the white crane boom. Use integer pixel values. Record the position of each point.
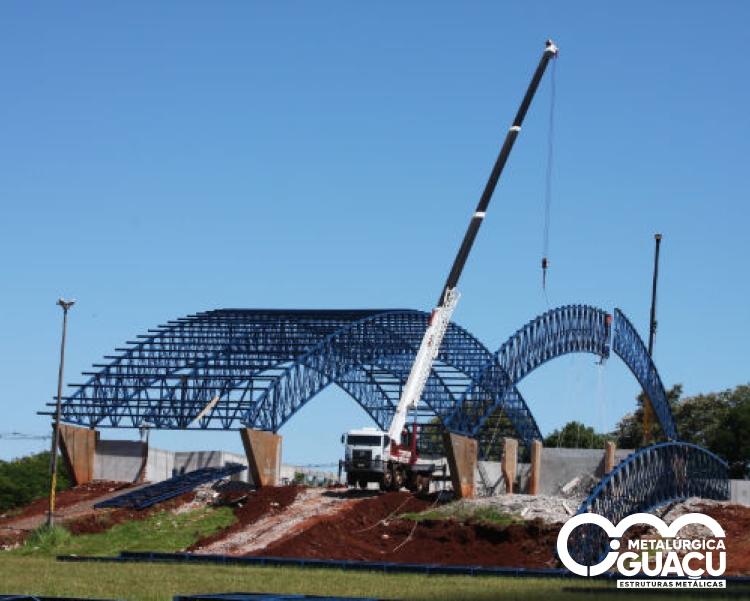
(449, 297)
(420, 370)
(372, 455)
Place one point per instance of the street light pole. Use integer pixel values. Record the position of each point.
(56, 433)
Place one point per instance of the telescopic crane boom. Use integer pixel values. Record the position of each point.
(375, 456)
(449, 296)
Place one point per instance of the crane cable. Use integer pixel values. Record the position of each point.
(548, 182)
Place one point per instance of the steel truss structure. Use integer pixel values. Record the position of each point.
(235, 368)
(568, 329)
(654, 476)
(256, 368)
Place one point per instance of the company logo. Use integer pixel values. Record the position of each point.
(670, 555)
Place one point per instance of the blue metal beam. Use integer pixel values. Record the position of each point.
(654, 476)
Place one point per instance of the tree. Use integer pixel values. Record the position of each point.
(629, 431)
(716, 421)
(26, 479)
(732, 440)
(701, 418)
(574, 435)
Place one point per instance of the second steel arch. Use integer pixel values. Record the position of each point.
(568, 329)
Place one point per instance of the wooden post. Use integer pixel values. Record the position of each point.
(536, 460)
(509, 464)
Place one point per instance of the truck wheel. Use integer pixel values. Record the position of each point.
(423, 484)
(363, 484)
(386, 482)
(398, 479)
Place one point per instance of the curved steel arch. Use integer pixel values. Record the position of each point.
(256, 368)
(568, 329)
(630, 348)
(654, 476)
(264, 365)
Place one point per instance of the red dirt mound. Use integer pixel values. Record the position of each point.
(102, 520)
(63, 499)
(735, 519)
(370, 531)
(258, 504)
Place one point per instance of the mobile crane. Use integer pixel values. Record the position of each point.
(390, 458)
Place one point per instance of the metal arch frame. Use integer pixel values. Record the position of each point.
(265, 365)
(652, 477)
(567, 329)
(628, 345)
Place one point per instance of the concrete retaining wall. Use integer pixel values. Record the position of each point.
(160, 466)
(132, 461)
(120, 460)
(741, 492)
(560, 467)
(574, 470)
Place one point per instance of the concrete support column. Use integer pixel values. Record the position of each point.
(263, 450)
(536, 464)
(78, 448)
(461, 453)
(609, 457)
(509, 464)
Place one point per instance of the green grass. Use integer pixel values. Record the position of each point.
(462, 513)
(162, 532)
(47, 539)
(42, 575)
(33, 569)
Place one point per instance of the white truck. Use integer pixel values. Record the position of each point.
(390, 458)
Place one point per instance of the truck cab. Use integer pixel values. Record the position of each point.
(371, 455)
(366, 456)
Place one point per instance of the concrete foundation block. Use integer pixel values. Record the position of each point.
(609, 457)
(510, 464)
(461, 453)
(78, 448)
(740, 492)
(263, 450)
(536, 465)
(121, 460)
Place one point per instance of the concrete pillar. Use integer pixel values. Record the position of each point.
(144, 461)
(461, 453)
(78, 448)
(609, 457)
(263, 450)
(536, 463)
(509, 464)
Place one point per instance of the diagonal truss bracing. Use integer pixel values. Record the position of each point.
(568, 329)
(652, 477)
(255, 368)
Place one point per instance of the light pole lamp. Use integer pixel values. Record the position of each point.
(56, 427)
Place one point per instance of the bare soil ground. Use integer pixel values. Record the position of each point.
(334, 523)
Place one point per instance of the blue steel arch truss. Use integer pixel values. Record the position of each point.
(630, 348)
(568, 329)
(654, 476)
(256, 368)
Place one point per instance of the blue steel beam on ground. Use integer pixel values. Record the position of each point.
(170, 488)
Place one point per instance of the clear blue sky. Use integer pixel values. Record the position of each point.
(164, 158)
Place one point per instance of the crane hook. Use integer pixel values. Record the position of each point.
(545, 264)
